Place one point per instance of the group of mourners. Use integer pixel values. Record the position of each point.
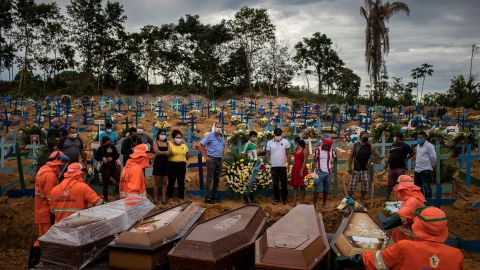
(419, 232)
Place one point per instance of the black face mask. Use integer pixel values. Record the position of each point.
(365, 139)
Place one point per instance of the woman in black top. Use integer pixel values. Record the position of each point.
(160, 165)
(108, 155)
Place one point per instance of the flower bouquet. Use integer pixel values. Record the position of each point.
(262, 122)
(238, 174)
(238, 136)
(264, 136)
(241, 127)
(235, 120)
(311, 133)
(310, 180)
(391, 208)
(163, 125)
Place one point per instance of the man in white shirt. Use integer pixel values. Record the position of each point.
(426, 158)
(278, 155)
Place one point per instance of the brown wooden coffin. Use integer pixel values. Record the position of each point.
(297, 241)
(147, 244)
(359, 233)
(223, 242)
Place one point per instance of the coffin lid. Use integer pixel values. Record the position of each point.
(296, 241)
(220, 236)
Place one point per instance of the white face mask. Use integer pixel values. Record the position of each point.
(218, 130)
(162, 137)
(178, 140)
(73, 136)
(109, 130)
(278, 138)
(139, 131)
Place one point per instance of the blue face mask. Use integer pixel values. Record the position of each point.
(420, 141)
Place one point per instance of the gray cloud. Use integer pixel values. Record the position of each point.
(439, 32)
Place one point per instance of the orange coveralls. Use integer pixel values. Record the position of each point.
(70, 196)
(45, 181)
(412, 200)
(414, 255)
(132, 179)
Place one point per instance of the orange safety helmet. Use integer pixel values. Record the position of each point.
(406, 182)
(430, 223)
(57, 158)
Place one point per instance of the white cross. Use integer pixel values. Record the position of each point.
(34, 146)
(4, 147)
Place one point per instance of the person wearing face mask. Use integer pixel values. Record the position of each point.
(108, 155)
(401, 222)
(177, 164)
(132, 179)
(278, 155)
(162, 150)
(215, 144)
(55, 133)
(425, 161)
(396, 161)
(144, 138)
(45, 180)
(360, 155)
(130, 141)
(108, 132)
(72, 146)
(324, 164)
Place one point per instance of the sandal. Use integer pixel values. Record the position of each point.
(325, 206)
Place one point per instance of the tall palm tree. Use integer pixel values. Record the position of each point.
(425, 69)
(377, 41)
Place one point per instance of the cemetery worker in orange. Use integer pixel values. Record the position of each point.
(360, 155)
(132, 180)
(177, 164)
(299, 170)
(160, 165)
(428, 252)
(45, 180)
(278, 155)
(55, 133)
(72, 146)
(108, 155)
(215, 144)
(395, 162)
(412, 198)
(128, 143)
(425, 162)
(72, 194)
(324, 164)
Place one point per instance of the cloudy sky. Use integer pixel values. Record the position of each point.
(439, 32)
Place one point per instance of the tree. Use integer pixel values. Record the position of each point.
(251, 29)
(277, 68)
(84, 25)
(29, 17)
(7, 50)
(464, 93)
(209, 41)
(53, 53)
(317, 53)
(377, 40)
(422, 71)
(348, 83)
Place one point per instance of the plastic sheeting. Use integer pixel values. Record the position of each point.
(80, 238)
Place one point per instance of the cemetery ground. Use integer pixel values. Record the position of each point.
(18, 231)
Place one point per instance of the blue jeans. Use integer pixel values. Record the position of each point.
(423, 179)
(323, 182)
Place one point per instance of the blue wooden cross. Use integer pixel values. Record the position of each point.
(261, 111)
(183, 116)
(305, 112)
(129, 102)
(175, 105)
(467, 158)
(5, 149)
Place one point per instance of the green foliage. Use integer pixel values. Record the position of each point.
(384, 127)
(42, 157)
(448, 168)
(462, 138)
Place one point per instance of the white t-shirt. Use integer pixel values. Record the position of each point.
(325, 159)
(278, 154)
